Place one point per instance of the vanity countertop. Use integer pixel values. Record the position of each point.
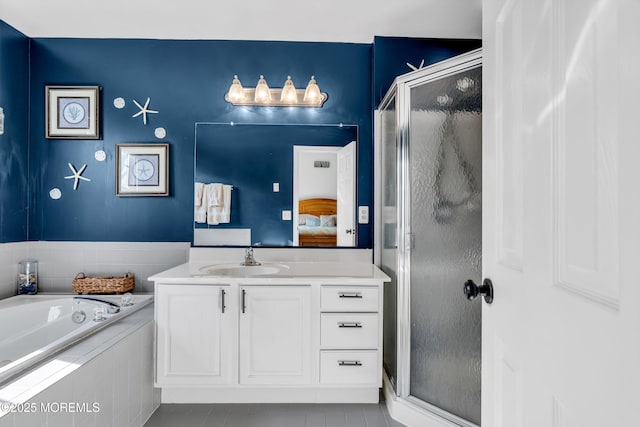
(195, 273)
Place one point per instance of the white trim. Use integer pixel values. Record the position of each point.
(407, 413)
(266, 394)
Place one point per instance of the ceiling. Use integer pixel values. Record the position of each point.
(355, 21)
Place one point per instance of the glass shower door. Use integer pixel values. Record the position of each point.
(443, 183)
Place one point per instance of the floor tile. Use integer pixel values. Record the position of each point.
(271, 415)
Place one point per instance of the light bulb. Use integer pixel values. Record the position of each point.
(236, 92)
(312, 93)
(263, 94)
(289, 94)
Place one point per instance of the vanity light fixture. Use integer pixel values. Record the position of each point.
(287, 96)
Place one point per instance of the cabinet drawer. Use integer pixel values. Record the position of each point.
(349, 298)
(347, 331)
(349, 367)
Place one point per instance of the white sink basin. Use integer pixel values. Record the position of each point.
(235, 270)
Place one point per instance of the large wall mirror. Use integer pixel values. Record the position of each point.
(275, 185)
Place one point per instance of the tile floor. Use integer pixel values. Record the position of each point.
(271, 415)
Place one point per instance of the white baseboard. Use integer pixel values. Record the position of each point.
(409, 414)
(269, 395)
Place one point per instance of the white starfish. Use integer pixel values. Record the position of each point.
(76, 175)
(144, 110)
(419, 67)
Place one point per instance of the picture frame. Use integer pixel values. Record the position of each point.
(72, 112)
(142, 169)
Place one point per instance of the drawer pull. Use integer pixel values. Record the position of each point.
(349, 363)
(349, 295)
(349, 325)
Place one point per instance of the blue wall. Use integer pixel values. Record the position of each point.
(14, 144)
(391, 54)
(251, 158)
(186, 81)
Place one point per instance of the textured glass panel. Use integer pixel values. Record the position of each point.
(389, 221)
(446, 218)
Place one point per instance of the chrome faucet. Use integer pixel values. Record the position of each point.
(112, 308)
(249, 260)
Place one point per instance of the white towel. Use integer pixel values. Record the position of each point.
(214, 202)
(214, 194)
(225, 216)
(199, 203)
(219, 210)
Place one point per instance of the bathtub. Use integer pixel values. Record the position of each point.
(33, 327)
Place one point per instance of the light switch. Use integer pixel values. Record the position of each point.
(363, 214)
(276, 187)
(286, 215)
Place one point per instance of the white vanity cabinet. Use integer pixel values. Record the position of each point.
(310, 333)
(194, 335)
(275, 334)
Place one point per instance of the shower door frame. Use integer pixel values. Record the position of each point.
(401, 90)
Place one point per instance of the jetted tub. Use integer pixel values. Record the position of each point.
(33, 327)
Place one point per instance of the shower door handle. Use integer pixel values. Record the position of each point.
(471, 290)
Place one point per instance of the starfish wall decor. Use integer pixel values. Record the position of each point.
(76, 175)
(144, 110)
(419, 67)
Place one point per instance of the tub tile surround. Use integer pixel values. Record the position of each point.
(60, 262)
(113, 367)
(10, 255)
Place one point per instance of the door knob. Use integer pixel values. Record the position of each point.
(351, 231)
(471, 290)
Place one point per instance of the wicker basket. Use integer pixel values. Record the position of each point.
(102, 284)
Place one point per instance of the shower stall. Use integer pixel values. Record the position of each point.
(429, 237)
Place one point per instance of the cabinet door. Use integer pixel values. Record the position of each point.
(275, 328)
(194, 336)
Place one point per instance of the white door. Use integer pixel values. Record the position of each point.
(346, 205)
(561, 213)
(275, 335)
(194, 335)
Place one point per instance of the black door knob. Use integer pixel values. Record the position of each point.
(471, 290)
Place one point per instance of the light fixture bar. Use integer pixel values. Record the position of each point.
(272, 97)
(276, 93)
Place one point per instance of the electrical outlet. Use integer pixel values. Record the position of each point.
(286, 215)
(276, 187)
(363, 214)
